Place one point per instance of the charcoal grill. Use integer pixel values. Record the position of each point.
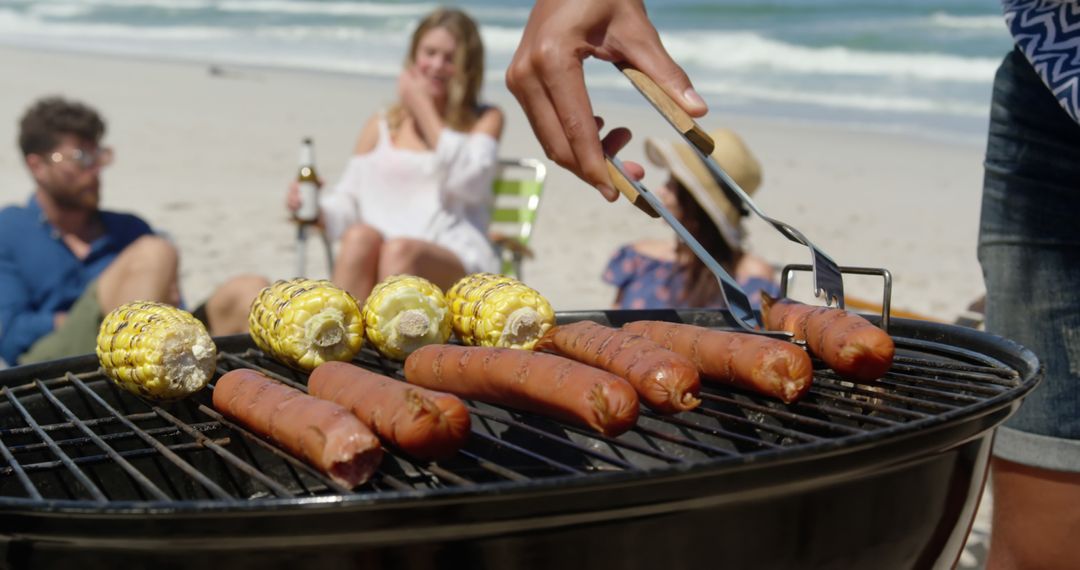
(852, 476)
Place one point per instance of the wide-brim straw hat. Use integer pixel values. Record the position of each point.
(689, 169)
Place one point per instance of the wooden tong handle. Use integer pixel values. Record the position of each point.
(624, 186)
(671, 110)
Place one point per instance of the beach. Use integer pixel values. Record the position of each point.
(204, 153)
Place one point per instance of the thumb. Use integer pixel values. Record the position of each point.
(650, 57)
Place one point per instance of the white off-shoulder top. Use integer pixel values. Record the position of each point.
(444, 196)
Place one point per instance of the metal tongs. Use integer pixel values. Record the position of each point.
(828, 282)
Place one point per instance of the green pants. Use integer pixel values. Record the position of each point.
(78, 334)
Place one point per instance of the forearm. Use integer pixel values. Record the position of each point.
(428, 122)
(469, 163)
(20, 330)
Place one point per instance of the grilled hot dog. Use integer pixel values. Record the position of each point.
(760, 364)
(666, 381)
(542, 383)
(324, 434)
(846, 342)
(423, 423)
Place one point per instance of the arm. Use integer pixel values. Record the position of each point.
(20, 325)
(417, 101)
(369, 136)
(339, 206)
(471, 159)
(546, 75)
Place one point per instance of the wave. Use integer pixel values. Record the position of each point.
(750, 52)
(305, 7)
(14, 25)
(744, 92)
(946, 20)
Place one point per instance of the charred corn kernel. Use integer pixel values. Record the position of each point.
(403, 313)
(155, 350)
(305, 322)
(496, 310)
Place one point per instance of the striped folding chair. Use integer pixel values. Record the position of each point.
(518, 188)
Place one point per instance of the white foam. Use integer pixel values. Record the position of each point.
(946, 20)
(326, 8)
(750, 52)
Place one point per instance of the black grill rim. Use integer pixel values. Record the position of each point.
(1006, 352)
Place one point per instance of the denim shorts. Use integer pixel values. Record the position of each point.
(1029, 248)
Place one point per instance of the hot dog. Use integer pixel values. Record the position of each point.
(760, 364)
(423, 423)
(668, 382)
(324, 434)
(542, 383)
(846, 342)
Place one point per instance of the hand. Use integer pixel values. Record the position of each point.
(292, 197)
(546, 75)
(413, 90)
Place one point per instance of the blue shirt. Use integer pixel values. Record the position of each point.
(40, 276)
(648, 283)
(1048, 32)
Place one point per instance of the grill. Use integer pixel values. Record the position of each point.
(852, 476)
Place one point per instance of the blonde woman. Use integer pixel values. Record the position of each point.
(417, 196)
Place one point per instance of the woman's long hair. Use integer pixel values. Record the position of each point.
(700, 288)
(462, 102)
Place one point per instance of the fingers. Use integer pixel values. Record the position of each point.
(614, 141)
(564, 81)
(292, 197)
(523, 80)
(645, 52)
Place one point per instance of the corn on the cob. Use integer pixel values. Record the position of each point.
(155, 350)
(496, 310)
(403, 313)
(305, 322)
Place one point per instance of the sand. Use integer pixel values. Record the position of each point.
(205, 154)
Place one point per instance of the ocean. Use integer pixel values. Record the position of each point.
(887, 64)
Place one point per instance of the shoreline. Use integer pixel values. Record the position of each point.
(206, 158)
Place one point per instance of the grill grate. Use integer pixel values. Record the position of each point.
(75, 440)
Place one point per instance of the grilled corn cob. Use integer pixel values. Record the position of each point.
(155, 350)
(304, 322)
(496, 310)
(403, 313)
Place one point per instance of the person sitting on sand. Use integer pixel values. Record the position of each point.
(65, 263)
(664, 273)
(417, 196)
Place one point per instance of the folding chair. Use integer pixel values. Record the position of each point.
(517, 188)
(302, 231)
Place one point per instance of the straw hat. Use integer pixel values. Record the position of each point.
(690, 170)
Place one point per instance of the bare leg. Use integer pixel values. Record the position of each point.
(227, 309)
(358, 260)
(1036, 518)
(146, 270)
(422, 258)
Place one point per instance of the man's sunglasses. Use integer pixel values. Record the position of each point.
(102, 156)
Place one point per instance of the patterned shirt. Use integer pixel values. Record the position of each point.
(1048, 33)
(648, 283)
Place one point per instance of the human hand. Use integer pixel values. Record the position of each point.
(546, 75)
(413, 90)
(292, 197)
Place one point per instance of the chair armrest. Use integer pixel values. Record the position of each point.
(511, 244)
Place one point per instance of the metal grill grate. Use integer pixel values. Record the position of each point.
(73, 439)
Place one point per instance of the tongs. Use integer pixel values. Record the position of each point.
(737, 301)
(828, 282)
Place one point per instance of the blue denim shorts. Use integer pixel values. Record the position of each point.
(1029, 248)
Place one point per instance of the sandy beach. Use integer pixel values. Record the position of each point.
(205, 157)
